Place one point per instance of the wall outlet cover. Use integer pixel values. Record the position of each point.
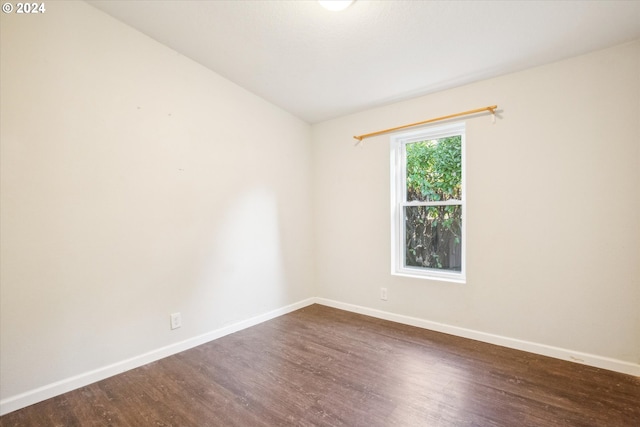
(176, 320)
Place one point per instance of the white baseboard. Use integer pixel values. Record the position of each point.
(531, 347)
(48, 391)
(14, 403)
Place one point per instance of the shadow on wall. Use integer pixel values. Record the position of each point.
(245, 266)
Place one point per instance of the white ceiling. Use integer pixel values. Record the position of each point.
(319, 64)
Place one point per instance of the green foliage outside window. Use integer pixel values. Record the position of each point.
(433, 233)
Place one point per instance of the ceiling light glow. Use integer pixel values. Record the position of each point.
(335, 5)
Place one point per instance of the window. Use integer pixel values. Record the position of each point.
(427, 203)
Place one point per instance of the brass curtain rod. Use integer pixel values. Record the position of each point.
(491, 108)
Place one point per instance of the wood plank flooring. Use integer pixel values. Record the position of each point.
(319, 366)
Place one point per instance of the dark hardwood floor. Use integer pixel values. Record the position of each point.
(325, 367)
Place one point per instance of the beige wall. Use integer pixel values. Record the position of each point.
(553, 219)
(135, 183)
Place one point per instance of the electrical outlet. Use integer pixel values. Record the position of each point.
(176, 320)
(383, 294)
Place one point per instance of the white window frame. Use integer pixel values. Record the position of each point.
(398, 202)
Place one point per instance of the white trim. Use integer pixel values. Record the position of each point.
(452, 202)
(436, 275)
(531, 347)
(48, 391)
(23, 400)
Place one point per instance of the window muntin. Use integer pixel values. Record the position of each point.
(428, 203)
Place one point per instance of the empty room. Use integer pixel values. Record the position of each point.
(308, 213)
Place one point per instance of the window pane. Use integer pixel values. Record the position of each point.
(434, 169)
(433, 237)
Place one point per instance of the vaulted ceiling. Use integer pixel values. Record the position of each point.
(319, 64)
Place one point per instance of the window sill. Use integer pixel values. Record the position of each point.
(452, 278)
